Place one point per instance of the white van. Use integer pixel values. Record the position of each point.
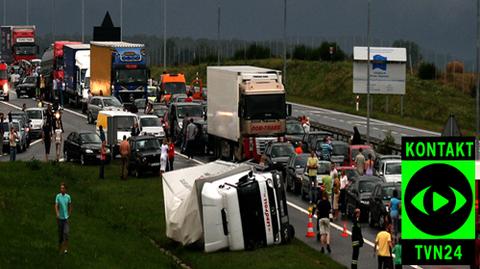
(124, 122)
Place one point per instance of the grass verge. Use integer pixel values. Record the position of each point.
(112, 224)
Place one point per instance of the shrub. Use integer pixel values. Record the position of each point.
(427, 71)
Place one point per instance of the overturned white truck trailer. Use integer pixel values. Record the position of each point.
(226, 205)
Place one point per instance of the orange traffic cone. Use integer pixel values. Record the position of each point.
(344, 233)
(310, 232)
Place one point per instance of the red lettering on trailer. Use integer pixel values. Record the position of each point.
(260, 128)
(266, 207)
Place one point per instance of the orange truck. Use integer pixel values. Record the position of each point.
(171, 84)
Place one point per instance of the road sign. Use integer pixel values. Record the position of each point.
(438, 191)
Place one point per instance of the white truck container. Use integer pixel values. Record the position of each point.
(246, 110)
(226, 205)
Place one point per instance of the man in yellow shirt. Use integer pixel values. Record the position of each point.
(312, 166)
(383, 245)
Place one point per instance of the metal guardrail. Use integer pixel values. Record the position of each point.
(344, 135)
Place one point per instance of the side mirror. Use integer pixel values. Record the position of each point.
(289, 109)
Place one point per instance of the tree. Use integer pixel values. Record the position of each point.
(427, 71)
(253, 51)
(413, 51)
(330, 51)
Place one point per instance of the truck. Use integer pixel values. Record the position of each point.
(18, 43)
(75, 65)
(4, 84)
(52, 66)
(118, 69)
(226, 205)
(246, 110)
(172, 84)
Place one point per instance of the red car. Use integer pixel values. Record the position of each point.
(4, 85)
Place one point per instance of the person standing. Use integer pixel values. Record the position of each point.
(323, 212)
(360, 162)
(356, 138)
(327, 149)
(183, 133)
(394, 207)
(2, 132)
(171, 154)
(13, 136)
(306, 125)
(327, 182)
(163, 157)
(61, 89)
(135, 130)
(312, 166)
(383, 244)
(101, 133)
(55, 87)
(47, 138)
(63, 210)
(336, 196)
(190, 137)
(397, 251)
(125, 153)
(58, 138)
(343, 188)
(369, 165)
(357, 238)
(103, 158)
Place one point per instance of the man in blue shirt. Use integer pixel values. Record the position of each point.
(63, 209)
(327, 149)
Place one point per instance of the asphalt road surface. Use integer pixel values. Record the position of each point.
(341, 246)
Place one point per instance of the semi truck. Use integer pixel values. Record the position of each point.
(226, 205)
(52, 66)
(75, 65)
(18, 43)
(246, 110)
(118, 69)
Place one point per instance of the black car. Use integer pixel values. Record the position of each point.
(294, 172)
(278, 153)
(295, 131)
(159, 110)
(145, 155)
(83, 147)
(358, 195)
(339, 153)
(27, 86)
(378, 205)
(310, 140)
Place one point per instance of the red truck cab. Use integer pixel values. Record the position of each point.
(24, 47)
(4, 85)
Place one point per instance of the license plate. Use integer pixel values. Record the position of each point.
(155, 164)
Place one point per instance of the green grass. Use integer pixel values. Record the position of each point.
(427, 104)
(112, 225)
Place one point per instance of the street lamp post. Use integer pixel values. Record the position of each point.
(218, 31)
(368, 72)
(164, 35)
(285, 42)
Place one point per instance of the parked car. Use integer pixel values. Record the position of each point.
(379, 159)
(27, 86)
(278, 153)
(379, 200)
(22, 138)
(294, 172)
(353, 152)
(37, 116)
(178, 98)
(83, 146)
(350, 171)
(141, 104)
(98, 103)
(295, 131)
(391, 170)
(24, 122)
(339, 153)
(159, 110)
(145, 155)
(322, 170)
(176, 114)
(310, 140)
(358, 195)
(151, 125)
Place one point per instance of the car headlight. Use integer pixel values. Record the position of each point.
(88, 151)
(144, 159)
(5, 88)
(365, 202)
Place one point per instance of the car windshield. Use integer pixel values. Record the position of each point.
(264, 106)
(112, 102)
(30, 80)
(192, 111)
(150, 122)
(175, 88)
(301, 161)
(147, 144)
(34, 114)
(323, 168)
(90, 138)
(387, 192)
(340, 149)
(125, 123)
(393, 168)
(125, 76)
(282, 151)
(294, 128)
(25, 50)
(366, 186)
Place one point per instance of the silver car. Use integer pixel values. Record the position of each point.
(98, 103)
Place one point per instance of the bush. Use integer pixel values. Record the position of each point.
(324, 52)
(253, 51)
(427, 71)
(386, 146)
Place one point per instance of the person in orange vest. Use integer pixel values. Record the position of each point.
(298, 148)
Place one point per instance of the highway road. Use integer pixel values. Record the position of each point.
(346, 121)
(341, 246)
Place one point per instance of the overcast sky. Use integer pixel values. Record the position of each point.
(440, 26)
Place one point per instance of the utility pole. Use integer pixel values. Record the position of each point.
(164, 35)
(477, 70)
(285, 42)
(218, 32)
(121, 20)
(83, 21)
(368, 72)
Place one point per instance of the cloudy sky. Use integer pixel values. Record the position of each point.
(438, 26)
